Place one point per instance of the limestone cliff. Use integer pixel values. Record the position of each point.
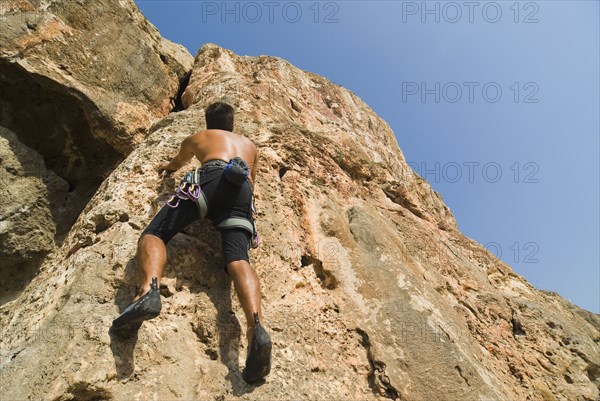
(370, 291)
(80, 84)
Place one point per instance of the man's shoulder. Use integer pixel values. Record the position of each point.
(214, 133)
(243, 138)
(195, 135)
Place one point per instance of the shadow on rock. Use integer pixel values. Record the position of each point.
(230, 331)
(122, 347)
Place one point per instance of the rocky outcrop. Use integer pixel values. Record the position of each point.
(108, 64)
(370, 291)
(30, 195)
(81, 82)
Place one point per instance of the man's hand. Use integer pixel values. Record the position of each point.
(165, 169)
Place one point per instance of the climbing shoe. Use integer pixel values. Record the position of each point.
(145, 308)
(258, 361)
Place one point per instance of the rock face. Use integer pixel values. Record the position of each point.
(30, 194)
(370, 291)
(80, 84)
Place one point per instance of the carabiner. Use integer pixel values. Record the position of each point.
(173, 202)
(194, 191)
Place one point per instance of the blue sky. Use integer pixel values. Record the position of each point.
(496, 104)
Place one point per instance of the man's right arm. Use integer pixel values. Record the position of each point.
(182, 158)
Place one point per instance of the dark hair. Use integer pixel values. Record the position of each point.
(219, 115)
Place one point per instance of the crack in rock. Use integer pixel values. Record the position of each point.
(379, 382)
(177, 101)
(517, 326)
(326, 278)
(460, 372)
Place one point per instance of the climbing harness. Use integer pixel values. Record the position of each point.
(236, 172)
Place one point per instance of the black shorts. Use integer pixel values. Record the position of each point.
(224, 200)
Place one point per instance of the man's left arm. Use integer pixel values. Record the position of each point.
(183, 157)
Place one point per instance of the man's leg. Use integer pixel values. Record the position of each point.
(236, 243)
(247, 288)
(151, 258)
(151, 251)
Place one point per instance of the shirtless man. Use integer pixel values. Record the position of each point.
(228, 203)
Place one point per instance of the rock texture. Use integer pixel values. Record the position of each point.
(370, 291)
(80, 84)
(111, 67)
(30, 194)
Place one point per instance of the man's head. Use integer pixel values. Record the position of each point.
(219, 115)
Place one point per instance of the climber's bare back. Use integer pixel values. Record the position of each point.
(215, 144)
(223, 145)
